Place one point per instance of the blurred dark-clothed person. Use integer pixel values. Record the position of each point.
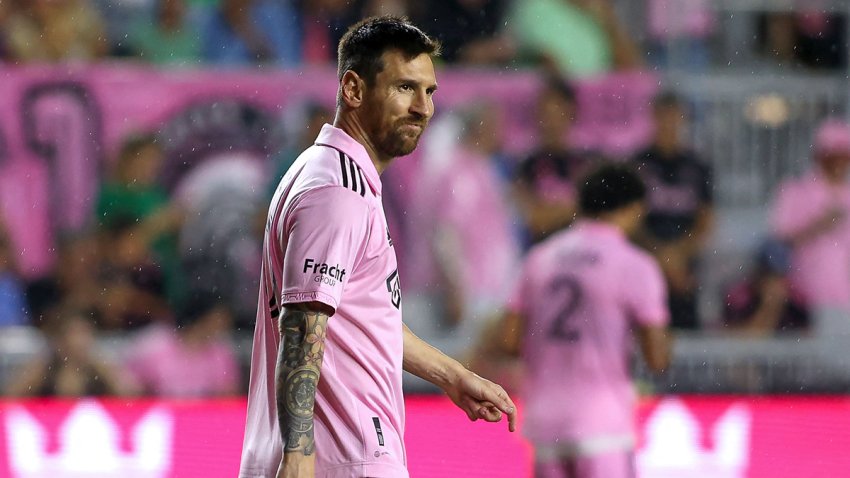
(763, 302)
(471, 31)
(544, 179)
(809, 38)
(303, 127)
(252, 32)
(680, 213)
(70, 365)
(13, 300)
(134, 208)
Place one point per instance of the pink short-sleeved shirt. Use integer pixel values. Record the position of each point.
(163, 364)
(469, 202)
(327, 240)
(820, 268)
(580, 293)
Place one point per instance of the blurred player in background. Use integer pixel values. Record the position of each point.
(330, 299)
(580, 295)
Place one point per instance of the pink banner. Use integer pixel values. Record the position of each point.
(61, 126)
(694, 437)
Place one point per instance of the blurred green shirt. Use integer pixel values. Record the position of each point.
(574, 39)
(158, 46)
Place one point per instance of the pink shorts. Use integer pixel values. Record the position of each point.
(619, 464)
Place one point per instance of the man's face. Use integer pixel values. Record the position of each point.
(669, 123)
(399, 105)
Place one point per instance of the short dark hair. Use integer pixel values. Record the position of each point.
(610, 187)
(197, 306)
(361, 47)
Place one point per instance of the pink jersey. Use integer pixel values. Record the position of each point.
(579, 294)
(820, 268)
(327, 241)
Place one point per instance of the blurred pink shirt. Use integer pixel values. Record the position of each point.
(680, 18)
(471, 205)
(163, 364)
(820, 268)
(327, 241)
(580, 293)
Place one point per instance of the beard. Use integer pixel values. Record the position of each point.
(399, 139)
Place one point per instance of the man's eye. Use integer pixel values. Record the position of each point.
(406, 88)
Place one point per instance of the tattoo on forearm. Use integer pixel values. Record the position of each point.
(299, 363)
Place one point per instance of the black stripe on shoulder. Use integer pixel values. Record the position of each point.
(362, 182)
(344, 169)
(353, 174)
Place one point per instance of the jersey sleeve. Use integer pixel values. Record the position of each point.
(645, 293)
(324, 236)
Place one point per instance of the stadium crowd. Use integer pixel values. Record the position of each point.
(143, 271)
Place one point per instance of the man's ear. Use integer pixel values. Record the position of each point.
(353, 89)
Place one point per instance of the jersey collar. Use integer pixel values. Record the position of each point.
(341, 141)
(599, 228)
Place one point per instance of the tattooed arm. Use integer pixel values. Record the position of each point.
(303, 328)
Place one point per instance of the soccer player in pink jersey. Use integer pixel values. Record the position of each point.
(580, 295)
(325, 395)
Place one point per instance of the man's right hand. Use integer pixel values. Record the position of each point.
(296, 465)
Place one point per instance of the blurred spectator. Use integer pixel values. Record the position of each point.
(324, 23)
(810, 213)
(763, 302)
(54, 30)
(70, 367)
(133, 200)
(303, 124)
(132, 281)
(221, 238)
(471, 31)
(813, 39)
(248, 32)
(73, 283)
(470, 232)
(167, 38)
(6, 10)
(13, 304)
(680, 215)
(196, 359)
(545, 191)
(574, 37)
(679, 32)
(389, 7)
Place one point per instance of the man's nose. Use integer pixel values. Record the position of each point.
(422, 105)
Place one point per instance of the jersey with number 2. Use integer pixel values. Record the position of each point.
(580, 294)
